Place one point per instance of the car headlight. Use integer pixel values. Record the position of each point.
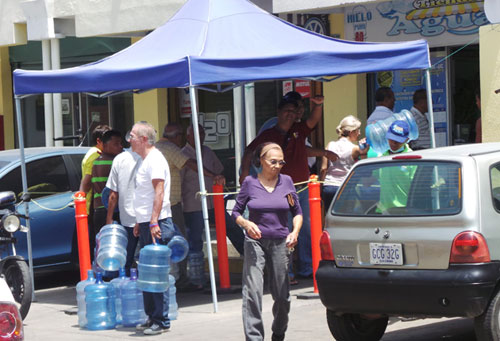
(11, 223)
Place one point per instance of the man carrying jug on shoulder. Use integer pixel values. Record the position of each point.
(153, 215)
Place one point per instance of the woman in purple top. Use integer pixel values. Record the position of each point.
(269, 196)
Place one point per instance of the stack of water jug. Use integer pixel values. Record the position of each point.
(105, 305)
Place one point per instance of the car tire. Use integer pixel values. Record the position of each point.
(17, 276)
(487, 325)
(353, 327)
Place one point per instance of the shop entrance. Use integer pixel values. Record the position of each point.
(464, 81)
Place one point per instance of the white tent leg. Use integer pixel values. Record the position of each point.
(429, 107)
(25, 190)
(199, 161)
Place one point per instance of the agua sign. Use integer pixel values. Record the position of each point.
(440, 22)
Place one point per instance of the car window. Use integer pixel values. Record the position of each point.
(45, 177)
(77, 162)
(401, 188)
(495, 186)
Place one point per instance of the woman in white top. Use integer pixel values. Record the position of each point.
(348, 150)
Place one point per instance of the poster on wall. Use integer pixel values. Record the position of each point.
(218, 129)
(441, 23)
(405, 82)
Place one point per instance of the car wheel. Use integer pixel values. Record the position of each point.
(354, 327)
(18, 279)
(487, 325)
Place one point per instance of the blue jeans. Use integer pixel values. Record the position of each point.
(304, 243)
(131, 246)
(328, 194)
(156, 304)
(194, 230)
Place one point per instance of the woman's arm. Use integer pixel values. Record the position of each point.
(292, 238)
(324, 168)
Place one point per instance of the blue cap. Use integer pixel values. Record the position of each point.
(399, 131)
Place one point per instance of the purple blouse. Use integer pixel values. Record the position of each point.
(269, 211)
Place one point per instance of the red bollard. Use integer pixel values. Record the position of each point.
(316, 226)
(220, 228)
(82, 232)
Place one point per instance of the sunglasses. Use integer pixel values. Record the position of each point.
(276, 162)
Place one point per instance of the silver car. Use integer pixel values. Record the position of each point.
(414, 235)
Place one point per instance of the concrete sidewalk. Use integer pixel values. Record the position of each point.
(47, 319)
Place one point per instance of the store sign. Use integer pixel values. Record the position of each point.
(287, 87)
(217, 128)
(303, 88)
(440, 22)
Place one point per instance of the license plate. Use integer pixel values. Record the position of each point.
(386, 254)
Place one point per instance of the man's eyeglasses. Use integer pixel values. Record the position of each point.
(276, 162)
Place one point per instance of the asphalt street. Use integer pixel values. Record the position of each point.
(48, 319)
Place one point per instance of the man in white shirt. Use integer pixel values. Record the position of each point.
(153, 215)
(121, 182)
(385, 100)
(419, 111)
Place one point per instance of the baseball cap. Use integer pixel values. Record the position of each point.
(291, 97)
(399, 131)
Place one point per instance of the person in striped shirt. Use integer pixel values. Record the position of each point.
(111, 146)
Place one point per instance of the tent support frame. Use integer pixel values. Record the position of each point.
(429, 107)
(201, 178)
(25, 190)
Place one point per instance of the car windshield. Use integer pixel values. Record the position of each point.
(401, 188)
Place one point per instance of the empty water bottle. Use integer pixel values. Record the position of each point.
(196, 267)
(80, 298)
(111, 247)
(117, 283)
(172, 301)
(153, 267)
(100, 305)
(132, 302)
(375, 133)
(179, 247)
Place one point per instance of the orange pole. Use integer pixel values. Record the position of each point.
(82, 233)
(220, 228)
(315, 216)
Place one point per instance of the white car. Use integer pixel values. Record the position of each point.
(11, 324)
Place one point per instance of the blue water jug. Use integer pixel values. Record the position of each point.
(111, 247)
(80, 298)
(375, 133)
(132, 302)
(172, 301)
(179, 247)
(196, 267)
(153, 267)
(100, 305)
(117, 283)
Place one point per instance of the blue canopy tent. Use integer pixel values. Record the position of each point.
(223, 42)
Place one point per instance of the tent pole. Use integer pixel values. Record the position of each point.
(25, 190)
(238, 115)
(201, 178)
(429, 107)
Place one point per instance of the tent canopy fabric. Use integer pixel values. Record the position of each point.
(224, 41)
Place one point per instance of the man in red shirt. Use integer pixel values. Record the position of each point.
(291, 136)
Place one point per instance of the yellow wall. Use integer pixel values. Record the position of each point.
(344, 96)
(6, 104)
(151, 106)
(489, 64)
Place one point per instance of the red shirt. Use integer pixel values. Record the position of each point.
(293, 144)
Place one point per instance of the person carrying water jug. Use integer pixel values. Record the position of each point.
(153, 215)
(395, 181)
